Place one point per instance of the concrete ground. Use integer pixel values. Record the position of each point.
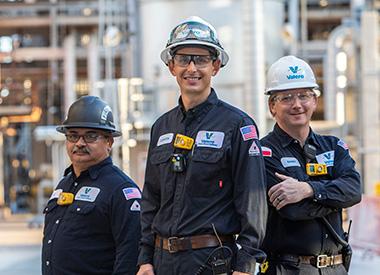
(20, 249)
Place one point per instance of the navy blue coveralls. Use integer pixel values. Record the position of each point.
(223, 184)
(99, 232)
(296, 228)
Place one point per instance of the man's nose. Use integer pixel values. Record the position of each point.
(191, 66)
(81, 141)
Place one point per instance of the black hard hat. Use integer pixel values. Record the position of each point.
(89, 112)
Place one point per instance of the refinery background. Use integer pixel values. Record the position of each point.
(54, 51)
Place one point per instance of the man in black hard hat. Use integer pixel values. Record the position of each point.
(92, 221)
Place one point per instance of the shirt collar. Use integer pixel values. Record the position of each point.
(285, 139)
(199, 110)
(93, 171)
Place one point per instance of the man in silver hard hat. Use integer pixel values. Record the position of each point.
(92, 223)
(204, 181)
(310, 178)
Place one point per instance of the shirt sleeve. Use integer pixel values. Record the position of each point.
(310, 208)
(249, 195)
(125, 221)
(149, 207)
(344, 190)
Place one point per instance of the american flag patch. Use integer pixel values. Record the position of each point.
(132, 193)
(342, 144)
(267, 152)
(248, 132)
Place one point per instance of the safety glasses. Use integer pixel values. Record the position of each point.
(192, 30)
(287, 99)
(200, 61)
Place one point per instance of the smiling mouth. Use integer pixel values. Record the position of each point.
(192, 78)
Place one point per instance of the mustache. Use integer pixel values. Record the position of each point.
(77, 149)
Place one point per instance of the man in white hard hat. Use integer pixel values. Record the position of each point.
(205, 178)
(310, 179)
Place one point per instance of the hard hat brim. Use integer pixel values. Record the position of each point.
(291, 86)
(166, 56)
(63, 128)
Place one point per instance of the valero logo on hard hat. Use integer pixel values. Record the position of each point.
(290, 72)
(295, 74)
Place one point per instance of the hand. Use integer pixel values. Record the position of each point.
(145, 269)
(288, 191)
(239, 273)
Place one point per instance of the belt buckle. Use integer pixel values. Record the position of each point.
(322, 261)
(172, 248)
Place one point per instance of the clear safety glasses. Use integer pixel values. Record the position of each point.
(200, 61)
(193, 30)
(287, 99)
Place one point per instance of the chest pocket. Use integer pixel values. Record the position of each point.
(82, 208)
(298, 173)
(160, 156)
(52, 204)
(205, 172)
(81, 219)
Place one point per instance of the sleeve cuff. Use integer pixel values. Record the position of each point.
(319, 195)
(145, 255)
(244, 262)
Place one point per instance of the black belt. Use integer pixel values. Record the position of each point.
(318, 261)
(175, 244)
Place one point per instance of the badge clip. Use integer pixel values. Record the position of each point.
(65, 198)
(183, 142)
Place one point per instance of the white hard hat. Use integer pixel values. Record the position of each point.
(290, 72)
(194, 31)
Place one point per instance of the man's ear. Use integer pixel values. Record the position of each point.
(171, 67)
(216, 67)
(271, 104)
(110, 142)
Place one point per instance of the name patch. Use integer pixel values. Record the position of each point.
(55, 194)
(165, 139)
(209, 139)
(87, 193)
(326, 158)
(290, 162)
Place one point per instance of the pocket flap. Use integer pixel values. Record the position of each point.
(82, 209)
(207, 155)
(160, 157)
(50, 206)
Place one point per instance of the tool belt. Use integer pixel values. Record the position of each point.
(175, 244)
(319, 261)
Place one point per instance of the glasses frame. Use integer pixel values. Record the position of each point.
(194, 58)
(289, 98)
(90, 137)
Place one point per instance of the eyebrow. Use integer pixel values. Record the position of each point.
(87, 132)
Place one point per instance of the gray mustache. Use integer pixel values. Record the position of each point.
(81, 150)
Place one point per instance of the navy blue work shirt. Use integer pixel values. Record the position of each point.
(223, 183)
(297, 228)
(99, 232)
